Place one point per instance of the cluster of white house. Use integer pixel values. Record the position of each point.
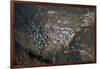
(61, 35)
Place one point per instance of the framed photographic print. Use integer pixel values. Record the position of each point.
(49, 34)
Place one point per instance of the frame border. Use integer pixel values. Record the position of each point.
(12, 33)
